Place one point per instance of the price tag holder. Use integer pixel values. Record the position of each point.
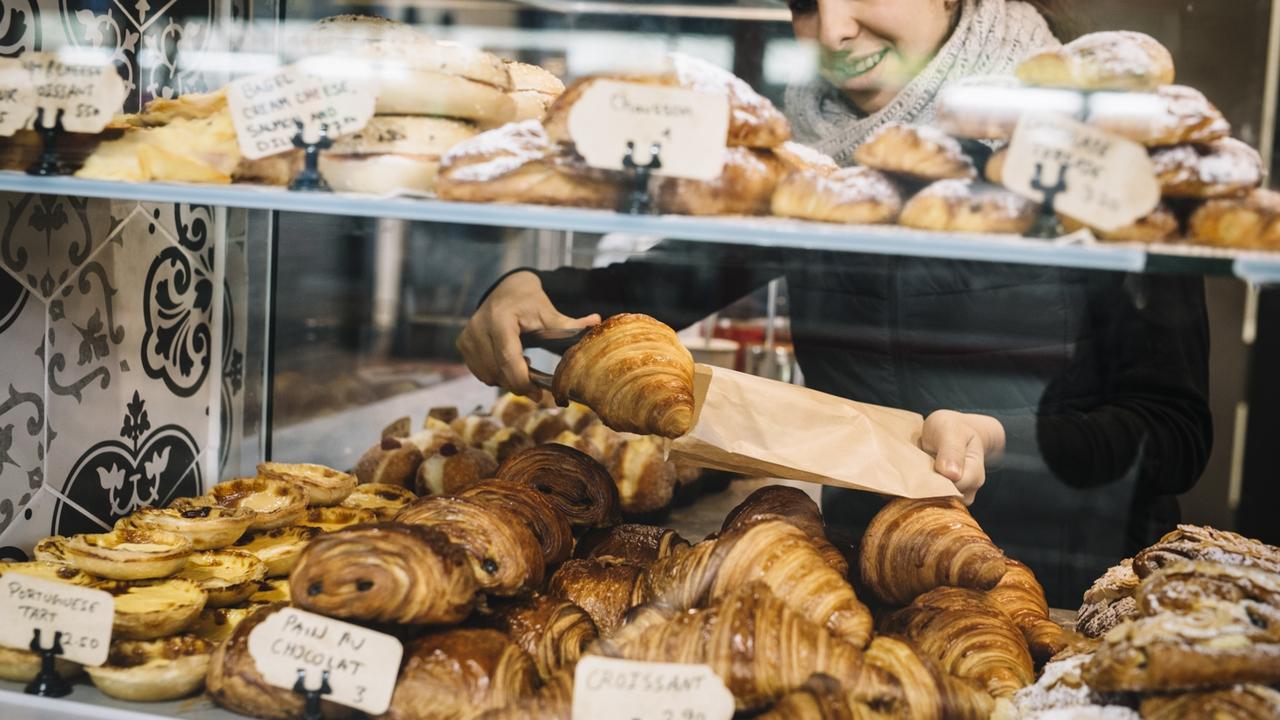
(690, 127)
(362, 664)
(17, 96)
(1109, 181)
(84, 86)
(631, 690)
(266, 109)
(82, 615)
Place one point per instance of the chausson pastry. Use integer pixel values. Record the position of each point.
(795, 156)
(918, 152)
(855, 196)
(1248, 223)
(1116, 60)
(1224, 168)
(153, 670)
(276, 503)
(278, 548)
(217, 624)
(383, 499)
(208, 527)
(149, 609)
(328, 519)
(228, 576)
(325, 486)
(963, 206)
(744, 187)
(129, 554)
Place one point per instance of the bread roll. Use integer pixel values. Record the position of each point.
(392, 153)
(1115, 60)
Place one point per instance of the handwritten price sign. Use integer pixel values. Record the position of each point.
(17, 97)
(82, 615)
(607, 687)
(266, 109)
(86, 88)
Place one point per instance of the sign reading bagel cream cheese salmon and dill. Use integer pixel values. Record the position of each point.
(266, 109)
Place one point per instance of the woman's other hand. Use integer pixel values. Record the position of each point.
(961, 445)
(490, 343)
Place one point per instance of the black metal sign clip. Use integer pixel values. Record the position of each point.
(47, 682)
(639, 201)
(312, 709)
(1047, 225)
(48, 164)
(309, 179)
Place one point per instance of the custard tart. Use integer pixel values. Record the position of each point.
(51, 549)
(217, 624)
(384, 499)
(276, 503)
(278, 548)
(328, 519)
(228, 576)
(324, 485)
(46, 570)
(149, 609)
(154, 670)
(129, 554)
(208, 526)
(274, 590)
(23, 665)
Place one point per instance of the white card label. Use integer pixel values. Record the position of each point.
(266, 109)
(82, 615)
(690, 127)
(362, 664)
(631, 690)
(17, 96)
(85, 86)
(1110, 181)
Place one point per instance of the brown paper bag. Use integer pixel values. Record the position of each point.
(765, 428)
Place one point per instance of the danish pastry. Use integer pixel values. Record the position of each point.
(963, 206)
(1248, 223)
(1116, 60)
(1224, 168)
(855, 196)
(918, 152)
(744, 187)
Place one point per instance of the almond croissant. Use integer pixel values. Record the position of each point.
(914, 546)
(1020, 594)
(634, 372)
(774, 552)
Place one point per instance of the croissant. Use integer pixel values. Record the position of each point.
(607, 589)
(1242, 702)
(548, 525)
(758, 646)
(821, 697)
(969, 635)
(554, 632)
(505, 555)
(914, 546)
(570, 480)
(929, 692)
(771, 551)
(460, 673)
(553, 701)
(386, 573)
(1185, 586)
(634, 372)
(637, 544)
(233, 681)
(791, 505)
(1194, 542)
(452, 469)
(646, 480)
(1020, 595)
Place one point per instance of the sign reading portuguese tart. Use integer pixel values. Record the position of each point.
(607, 687)
(689, 126)
(82, 615)
(17, 96)
(266, 108)
(362, 664)
(83, 84)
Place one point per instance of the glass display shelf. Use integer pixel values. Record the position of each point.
(1255, 267)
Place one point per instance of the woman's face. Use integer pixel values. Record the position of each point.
(871, 49)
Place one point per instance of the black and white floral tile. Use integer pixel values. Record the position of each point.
(122, 332)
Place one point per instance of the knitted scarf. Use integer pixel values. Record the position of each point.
(990, 38)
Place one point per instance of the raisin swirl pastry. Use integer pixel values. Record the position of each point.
(605, 588)
(554, 632)
(1241, 702)
(970, 637)
(929, 692)
(1183, 587)
(920, 153)
(632, 543)
(775, 553)
(794, 507)
(459, 673)
(234, 682)
(505, 556)
(571, 482)
(548, 524)
(385, 573)
(634, 372)
(1020, 594)
(1195, 542)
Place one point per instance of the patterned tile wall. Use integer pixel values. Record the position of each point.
(122, 324)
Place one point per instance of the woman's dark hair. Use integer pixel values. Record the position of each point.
(1061, 21)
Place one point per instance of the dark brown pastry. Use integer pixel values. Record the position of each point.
(646, 480)
(572, 482)
(543, 426)
(913, 546)
(554, 632)
(386, 573)
(505, 555)
(1195, 542)
(459, 673)
(920, 153)
(506, 443)
(393, 461)
(970, 637)
(1242, 702)
(1020, 595)
(744, 187)
(606, 588)
(1185, 586)
(234, 683)
(1248, 223)
(790, 505)
(452, 469)
(548, 524)
(1109, 601)
(929, 692)
(475, 429)
(632, 543)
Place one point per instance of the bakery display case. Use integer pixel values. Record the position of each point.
(753, 269)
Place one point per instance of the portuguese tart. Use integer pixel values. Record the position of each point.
(217, 624)
(153, 670)
(228, 576)
(383, 499)
(328, 519)
(208, 527)
(149, 609)
(855, 196)
(129, 554)
(23, 665)
(51, 549)
(918, 152)
(272, 590)
(325, 486)
(46, 570)
(277, 503)
(278, 548)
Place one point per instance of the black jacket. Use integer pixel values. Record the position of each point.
(1100, 379)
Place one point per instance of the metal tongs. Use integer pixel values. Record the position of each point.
(558, 341)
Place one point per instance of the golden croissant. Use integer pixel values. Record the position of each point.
(791, 505)
(969, 636)
(914, 546)
(634, 372)
(928, 691)
(385, 573)
(553, 632)
(1021, 595)
(821, 697)
(458, 674)
(758, 646)
(774, 552)
(570, 480)
(547, 523)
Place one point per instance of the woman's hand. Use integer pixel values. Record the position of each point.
(961, 445)
(490, 344)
